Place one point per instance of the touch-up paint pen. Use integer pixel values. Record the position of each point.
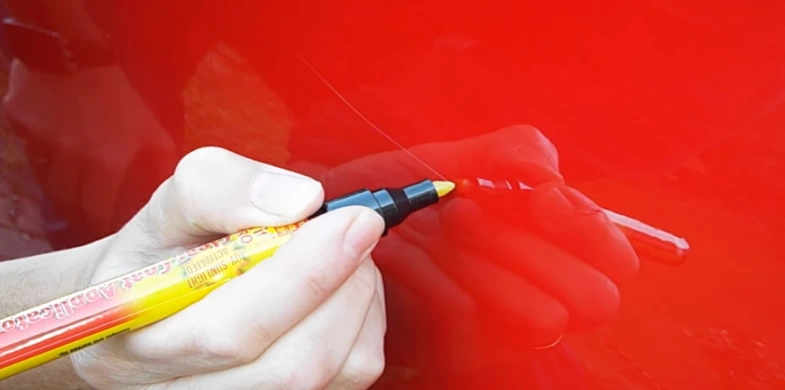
(128, 302)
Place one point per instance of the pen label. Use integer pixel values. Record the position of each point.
(68, 324)
(59, 309)
(128, 282)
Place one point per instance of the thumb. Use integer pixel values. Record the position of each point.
(214, 191)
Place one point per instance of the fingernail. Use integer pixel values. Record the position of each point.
(363, 234)
(284, 195)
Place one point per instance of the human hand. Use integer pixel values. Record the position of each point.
(498, 270)
(311, 316)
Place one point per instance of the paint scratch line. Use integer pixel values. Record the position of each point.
(368, 121)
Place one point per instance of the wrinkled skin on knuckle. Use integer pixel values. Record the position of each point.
(316, 285)
(216, 347)
(230, 351)
(219, 348)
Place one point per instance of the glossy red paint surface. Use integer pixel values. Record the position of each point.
(668, 112)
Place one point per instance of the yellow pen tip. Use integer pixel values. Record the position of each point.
(443, 187)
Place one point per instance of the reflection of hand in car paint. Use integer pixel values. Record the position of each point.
(519, 270)
(87, 135)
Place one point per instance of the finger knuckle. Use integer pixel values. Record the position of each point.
(227, 351)
(218, 348)
(363, 368)
(148, 346)
(186, 191)
(190, 168)
(197, 157)
(317, 284)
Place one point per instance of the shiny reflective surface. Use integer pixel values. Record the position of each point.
(666, 112)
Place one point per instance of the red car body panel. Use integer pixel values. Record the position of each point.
(668, 112)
